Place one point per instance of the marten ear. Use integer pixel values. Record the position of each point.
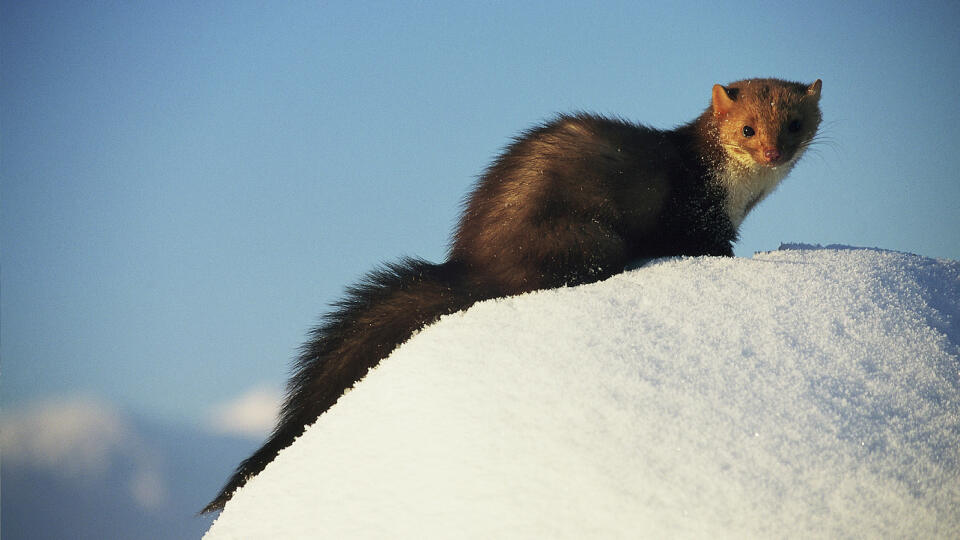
(814, 89)
(722, 102)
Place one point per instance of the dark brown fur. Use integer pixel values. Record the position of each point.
(569, 202)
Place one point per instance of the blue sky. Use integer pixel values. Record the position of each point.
(185, 186)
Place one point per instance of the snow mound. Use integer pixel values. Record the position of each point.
(807, 392)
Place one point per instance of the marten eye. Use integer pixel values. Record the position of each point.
(794, 126)
(748, 131)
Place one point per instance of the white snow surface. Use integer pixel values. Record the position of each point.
(803, 393)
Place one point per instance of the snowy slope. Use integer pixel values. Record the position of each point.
(800, 393)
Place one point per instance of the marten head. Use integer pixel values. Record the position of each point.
(766, 122)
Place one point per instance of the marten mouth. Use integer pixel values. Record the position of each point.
(772, 157)
(774, 161)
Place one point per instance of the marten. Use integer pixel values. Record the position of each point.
(570, 201)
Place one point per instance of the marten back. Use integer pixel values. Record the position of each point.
(575, 200)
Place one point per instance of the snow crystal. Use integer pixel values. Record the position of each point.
(807, 392)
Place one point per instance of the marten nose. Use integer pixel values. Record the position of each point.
(772, 155)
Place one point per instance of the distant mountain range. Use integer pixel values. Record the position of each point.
(80, 469)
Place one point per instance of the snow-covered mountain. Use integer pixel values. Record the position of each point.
(806, 392)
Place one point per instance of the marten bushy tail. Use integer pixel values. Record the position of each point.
(376, 316)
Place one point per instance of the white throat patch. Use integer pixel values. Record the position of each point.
(746, 186)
